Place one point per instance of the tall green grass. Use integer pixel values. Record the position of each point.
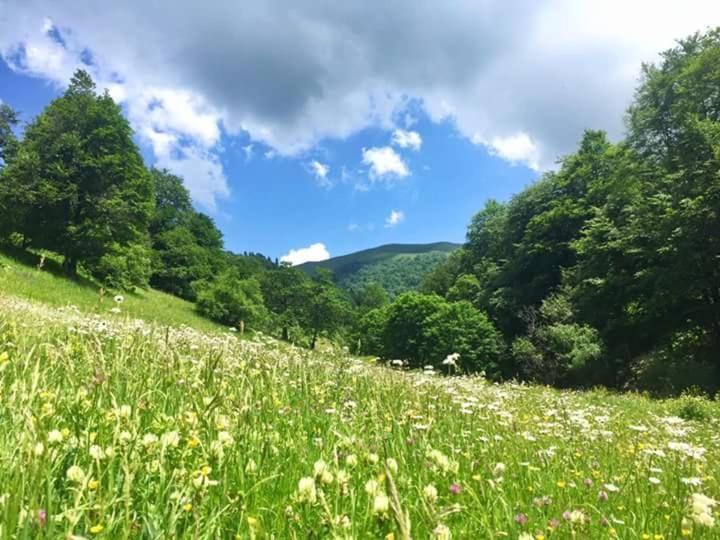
(121, 429)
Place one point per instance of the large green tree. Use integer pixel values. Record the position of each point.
(78, 186)
(187, 246)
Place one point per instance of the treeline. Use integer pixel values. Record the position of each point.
(608, 270)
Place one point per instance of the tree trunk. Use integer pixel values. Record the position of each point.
(285, 335)
(69, 266)
(314, 340)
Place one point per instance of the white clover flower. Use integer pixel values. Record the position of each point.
(170, 439)
(75, 474)
(392, 465)
(39, 449)
(96, 452)
(351, 461)
(55, 437)
(381, 504)
(307, 491)
(499, 469)
(319, 467)
(372, 487)
(149, 439)
(430, 493)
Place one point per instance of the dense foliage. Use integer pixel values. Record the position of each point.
(606, 271)
(76, 184)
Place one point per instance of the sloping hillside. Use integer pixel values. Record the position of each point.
(21, 275)
(397, 267)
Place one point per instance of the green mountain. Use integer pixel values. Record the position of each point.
(397, 267)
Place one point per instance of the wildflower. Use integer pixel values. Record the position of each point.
(373, 458)
(561, 484)
(455, 489)
(381, 504)
(306, 490)
(93, 484)
(187, 507)
(225, 438)
(653, 480)
(97, 529)
(451, 360)
(612, 488)
(149, 439)
(96, 452)
(55, 437)
(319, 467)
(521, 519)
(75, 474)
(442, 532)
(351, 461)
(42, 517)
(701, 508)
(39, 449)
(602, 495)
(118, 298)
(499, 469)
(251, 466)
(430, 493)
(372, 487)
(392, 465)
(170, 439)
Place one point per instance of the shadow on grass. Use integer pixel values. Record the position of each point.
(51, 264)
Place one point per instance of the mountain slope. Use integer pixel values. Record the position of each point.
(397, 267)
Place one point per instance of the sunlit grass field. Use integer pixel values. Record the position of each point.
(111, 427)
(22, 274)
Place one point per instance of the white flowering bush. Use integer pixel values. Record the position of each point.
(116, 428)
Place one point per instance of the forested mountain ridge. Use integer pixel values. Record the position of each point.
(395, 267)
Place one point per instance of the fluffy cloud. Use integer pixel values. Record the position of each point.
(521, 77)
(385, 164)
(320, 172)
(395, 218)
(518, 148)
(314, 252)
(407, 139)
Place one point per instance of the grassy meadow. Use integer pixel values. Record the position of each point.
(113, 427)
(20, 275)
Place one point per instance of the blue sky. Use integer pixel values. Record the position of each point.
(325, 127)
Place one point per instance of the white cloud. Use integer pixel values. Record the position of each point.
(320, 172)
(294, 73)
(407, 139)
(249, 151)
(352, 227)
(517, 148)
(314, 252)
(395, 218)
(385, 163)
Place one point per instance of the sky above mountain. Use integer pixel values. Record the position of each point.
(310, 129)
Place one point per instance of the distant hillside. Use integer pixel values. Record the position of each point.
(397, 267)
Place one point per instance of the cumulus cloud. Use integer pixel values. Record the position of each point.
(314, 252)
(385, 164)
(407, 139)
(517, 148)
(520, 77)
(395, 218)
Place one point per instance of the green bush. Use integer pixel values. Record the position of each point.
(231, 301)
